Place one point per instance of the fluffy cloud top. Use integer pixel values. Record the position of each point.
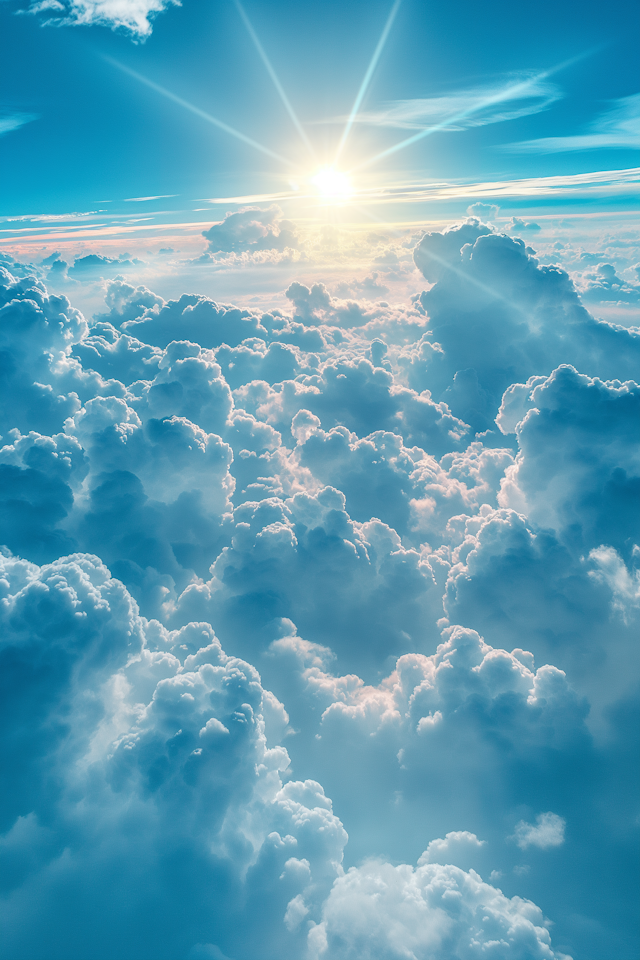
(383, 911)
(499, 316)
(133, 16)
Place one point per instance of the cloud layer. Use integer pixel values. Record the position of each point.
(319, 623)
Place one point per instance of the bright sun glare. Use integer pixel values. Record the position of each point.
(331, 184)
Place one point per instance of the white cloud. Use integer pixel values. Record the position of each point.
(618, 128)
(565, 412)
(397, 912)
(13, 121)
(130, 724)
(519, 95)
(517, 225)
(485, 211)
(624, 583)
(252, 228)
(133, 16)
(547, 832)
(455, 843)
(495, 310)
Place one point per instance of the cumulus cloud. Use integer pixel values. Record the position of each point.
(566, 492)
(93, 266)
(412, 527)
(381, 910)
(444, 849)
(455, 699)
(610, 568)
(548, 831)
(494, 311)
(486, 211)
(252, 228)
(37, 332)
(605, 285)
(128, 724)
(517, 225)
(505, 572)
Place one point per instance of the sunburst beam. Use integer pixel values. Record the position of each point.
(274, 77)
(367, 77)
(199, 113)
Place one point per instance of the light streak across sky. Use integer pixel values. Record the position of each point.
(274, 77)
(364, 86)
(198, 112)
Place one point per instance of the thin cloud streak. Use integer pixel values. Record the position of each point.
(620, 128)
(198, 112)
(367, 77)
(274, 77)
(414, 114)
(160, 196)
(255, 198)
(417, 192)
(509, 93)
(99, 230)
(600, 183)
(14, 121)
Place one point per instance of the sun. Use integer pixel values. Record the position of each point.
(332, 184)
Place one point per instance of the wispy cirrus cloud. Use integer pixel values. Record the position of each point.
(511, 97)
(618, 127)
(595, 183)
(13, 121)
(159, 196)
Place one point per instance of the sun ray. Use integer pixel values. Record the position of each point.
(367, 77)
(508, 93)
(198, 112)
(274, 77)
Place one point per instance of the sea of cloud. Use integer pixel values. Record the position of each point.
(319, 622)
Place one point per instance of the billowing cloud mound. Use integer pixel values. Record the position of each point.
(348, 571)
(252, 228)
(133, 16)
(143, 759)
(498, 318)
(383, 911)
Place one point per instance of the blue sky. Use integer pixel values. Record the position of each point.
(319, 480)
